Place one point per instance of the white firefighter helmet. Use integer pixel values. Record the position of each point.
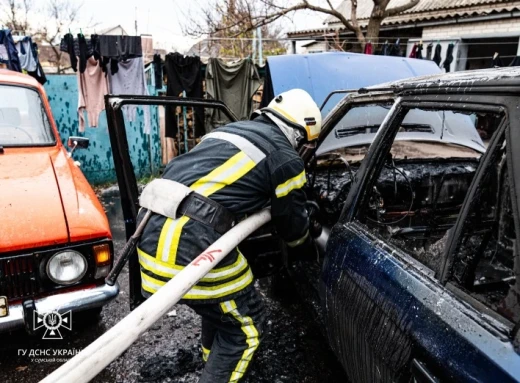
(297, 109)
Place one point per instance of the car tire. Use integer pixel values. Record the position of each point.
(88, 317)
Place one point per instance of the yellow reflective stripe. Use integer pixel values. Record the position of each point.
(292, 183)
(224, 175)
(169, 271)
(205, 354)
(252, 339)
(151, 285)
(169, 239)
(298, 242)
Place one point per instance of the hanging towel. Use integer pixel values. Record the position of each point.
(130, 79)
(437, 57)
(413, 53)
(368, 49)
(92, 87)
(429, 51)
(120, 47)
(449, 58)
(233, 84)
(183, 74)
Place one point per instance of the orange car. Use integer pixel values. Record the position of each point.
(55, 241)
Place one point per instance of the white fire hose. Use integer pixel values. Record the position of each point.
(95, 357)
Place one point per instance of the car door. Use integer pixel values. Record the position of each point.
(390, 317)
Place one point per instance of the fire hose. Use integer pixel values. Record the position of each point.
(96, 356)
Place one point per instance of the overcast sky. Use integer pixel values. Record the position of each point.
(162, 18)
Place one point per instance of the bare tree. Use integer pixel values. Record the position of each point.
(62, 14)
(15, 15)
(265, 12)
(231, 28)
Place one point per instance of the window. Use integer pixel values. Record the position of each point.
(339, 156)
(486, 261)
(23, 120)
(418, 192)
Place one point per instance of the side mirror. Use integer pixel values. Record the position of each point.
(78, 142)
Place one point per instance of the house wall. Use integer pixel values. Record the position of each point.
(491, 28)
(96, 162)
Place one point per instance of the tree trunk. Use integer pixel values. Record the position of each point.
(373, 28)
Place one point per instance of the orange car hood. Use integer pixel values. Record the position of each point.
(41, 204)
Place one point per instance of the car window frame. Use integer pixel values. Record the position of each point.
(374, 161)
(49, 118)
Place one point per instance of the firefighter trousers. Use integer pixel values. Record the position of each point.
(231, 333)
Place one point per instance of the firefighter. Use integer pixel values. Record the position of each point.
(234, 171)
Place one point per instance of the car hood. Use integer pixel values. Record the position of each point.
(41, 204)
(443, 128)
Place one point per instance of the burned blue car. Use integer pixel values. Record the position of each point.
(418, 181)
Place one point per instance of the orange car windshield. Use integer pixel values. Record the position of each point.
(23, 120)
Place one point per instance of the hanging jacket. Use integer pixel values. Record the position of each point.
(385, 50)
(449, 58)
(12, 60)
(437, 57)
(244, 166)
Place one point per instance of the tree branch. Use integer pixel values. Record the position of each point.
(397, 10)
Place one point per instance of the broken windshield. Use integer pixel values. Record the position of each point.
(23, 120)
(360, 124)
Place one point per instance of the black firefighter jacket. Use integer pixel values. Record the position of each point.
(244, 166)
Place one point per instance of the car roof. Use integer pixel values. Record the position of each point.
(494, 80)
(11, 77)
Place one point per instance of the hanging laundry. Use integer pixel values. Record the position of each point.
(497, 61)
(158, 72)
(413, 53)
(395, 49)
(437, 56)
(368, 48)
(38, 74)
(449, 58)
(429, 51)
(515, 62)
(120, 47)
(234, 84)
(67, 45)
(10, 57)
(418, 54)
(130, 79)
(92, 87)
(84, 53)
(26, 55)
(183, 74)
(385, 50)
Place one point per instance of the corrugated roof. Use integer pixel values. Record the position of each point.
(426, 13)
(365, 7)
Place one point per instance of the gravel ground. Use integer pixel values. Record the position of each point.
(293, 349)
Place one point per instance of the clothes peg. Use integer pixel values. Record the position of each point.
(495, 56)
